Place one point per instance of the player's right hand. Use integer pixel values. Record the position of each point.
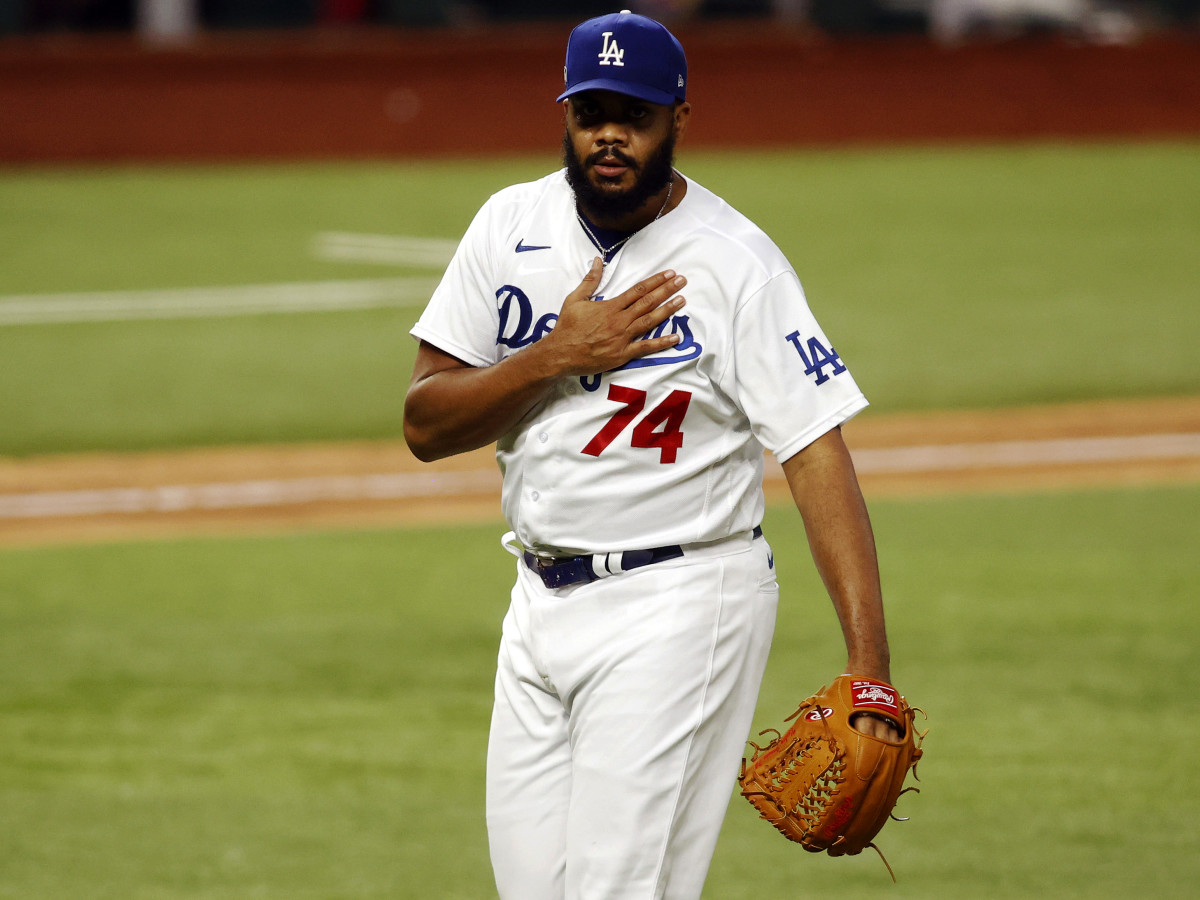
(593, 336)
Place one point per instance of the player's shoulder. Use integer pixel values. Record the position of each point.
(726, 232)
(528, 193)
(508, 212)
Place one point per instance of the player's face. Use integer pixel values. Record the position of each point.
(619, 151)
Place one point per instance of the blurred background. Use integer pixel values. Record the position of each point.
(949, 19)
(97, 80)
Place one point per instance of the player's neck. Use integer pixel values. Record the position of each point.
(653, 209)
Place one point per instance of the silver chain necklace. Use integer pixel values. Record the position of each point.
(606, 254)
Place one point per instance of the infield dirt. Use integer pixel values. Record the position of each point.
(230, 488)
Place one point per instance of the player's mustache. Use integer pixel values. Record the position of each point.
(608, 157)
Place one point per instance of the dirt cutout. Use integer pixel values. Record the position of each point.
(268, 489)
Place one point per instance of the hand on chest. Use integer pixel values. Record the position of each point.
(530, 290)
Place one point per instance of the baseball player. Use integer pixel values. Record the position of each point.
(631, 343)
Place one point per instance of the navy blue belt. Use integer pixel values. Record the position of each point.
(564, 571)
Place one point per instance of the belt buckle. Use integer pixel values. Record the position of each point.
(560, 571)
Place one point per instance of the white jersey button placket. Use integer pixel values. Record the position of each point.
(539, 448)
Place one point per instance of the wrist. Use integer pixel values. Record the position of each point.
(545, 361)
(878, 669)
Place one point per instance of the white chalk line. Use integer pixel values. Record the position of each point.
(1019, 454)
(199, 303)
(177, 498)
(255, 299)
(270, 493)
(385, 249)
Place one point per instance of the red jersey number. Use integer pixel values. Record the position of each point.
(661, 428)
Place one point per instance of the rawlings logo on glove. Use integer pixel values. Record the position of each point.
(874, 695)
(824, 783)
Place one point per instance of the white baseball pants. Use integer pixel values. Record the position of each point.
(621, 713)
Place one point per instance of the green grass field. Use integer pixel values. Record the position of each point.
(304, 716)
(946, 277)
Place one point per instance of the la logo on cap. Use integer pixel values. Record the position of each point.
(610, 54)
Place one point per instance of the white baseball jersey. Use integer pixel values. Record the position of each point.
(667, 449)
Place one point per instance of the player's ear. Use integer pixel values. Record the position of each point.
(682, 115)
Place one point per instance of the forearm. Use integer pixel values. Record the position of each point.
(452, 407)
(460, 408)
(826, 491)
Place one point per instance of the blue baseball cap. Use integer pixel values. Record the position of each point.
(626, 53)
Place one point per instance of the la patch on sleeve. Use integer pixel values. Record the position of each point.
(816, 357)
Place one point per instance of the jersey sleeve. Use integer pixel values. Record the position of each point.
(461, 317)
(790, 380)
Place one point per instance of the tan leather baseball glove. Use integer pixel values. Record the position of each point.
(825, 784)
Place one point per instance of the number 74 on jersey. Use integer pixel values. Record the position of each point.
(660, 429)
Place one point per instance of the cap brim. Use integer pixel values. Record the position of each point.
(641, 91)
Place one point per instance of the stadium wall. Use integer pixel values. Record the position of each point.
(319, 94)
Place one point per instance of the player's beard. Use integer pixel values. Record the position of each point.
(650, 178)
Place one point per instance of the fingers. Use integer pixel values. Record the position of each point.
(617, 329)
(645, 295)
(877, 726)
(649, 303)
(591, 281)
(651, 291)
(649, 321)
(656, 305)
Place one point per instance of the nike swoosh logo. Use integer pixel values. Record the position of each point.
(522, 247)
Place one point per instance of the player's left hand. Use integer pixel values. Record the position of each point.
(820, 783)
(876, 726)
